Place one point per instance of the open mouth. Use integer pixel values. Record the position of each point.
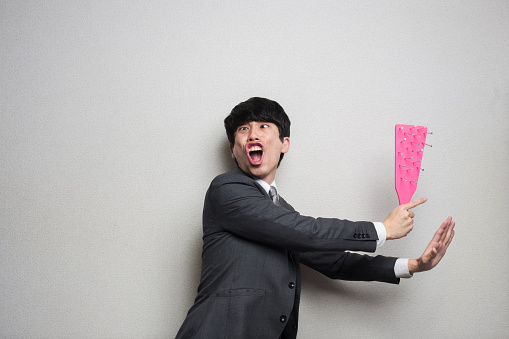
(255, 153)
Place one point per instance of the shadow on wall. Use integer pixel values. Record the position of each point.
(225, 164)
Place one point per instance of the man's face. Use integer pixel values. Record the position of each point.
(257, 149)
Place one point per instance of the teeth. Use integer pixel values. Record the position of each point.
(255, 148)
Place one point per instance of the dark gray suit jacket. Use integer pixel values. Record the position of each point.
(250, 280)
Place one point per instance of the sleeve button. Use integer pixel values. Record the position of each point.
(282, 318)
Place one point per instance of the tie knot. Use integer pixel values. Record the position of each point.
(274, 196)
(272, 191)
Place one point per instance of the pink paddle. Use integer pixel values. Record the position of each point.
(410, 141)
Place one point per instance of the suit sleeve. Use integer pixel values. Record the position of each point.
(352, 266)
(242, 209)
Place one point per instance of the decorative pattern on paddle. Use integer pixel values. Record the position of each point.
(410, 142)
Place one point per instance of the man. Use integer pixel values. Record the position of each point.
(254, 241)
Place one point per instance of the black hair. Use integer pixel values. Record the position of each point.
(257, 109)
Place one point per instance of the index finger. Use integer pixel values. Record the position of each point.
(442, 231)
(415, 203)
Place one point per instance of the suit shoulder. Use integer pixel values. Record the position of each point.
(235, 176)
(232, 185)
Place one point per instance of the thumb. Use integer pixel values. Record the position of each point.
(429, 255)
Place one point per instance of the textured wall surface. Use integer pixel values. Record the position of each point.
(111, 131)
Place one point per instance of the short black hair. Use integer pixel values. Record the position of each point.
(257, 109)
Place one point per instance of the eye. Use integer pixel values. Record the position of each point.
(264, 126)
(243, 128)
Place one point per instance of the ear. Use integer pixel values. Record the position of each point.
(286, 145)
(231, 150)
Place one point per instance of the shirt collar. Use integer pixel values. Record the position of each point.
(266, 186)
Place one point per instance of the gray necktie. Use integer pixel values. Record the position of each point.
(274, 196)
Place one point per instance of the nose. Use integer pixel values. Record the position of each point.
(253, 134)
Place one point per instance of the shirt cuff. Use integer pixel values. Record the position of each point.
(401, 268)
(381, 232)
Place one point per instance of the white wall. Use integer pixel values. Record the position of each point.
(111, 130)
